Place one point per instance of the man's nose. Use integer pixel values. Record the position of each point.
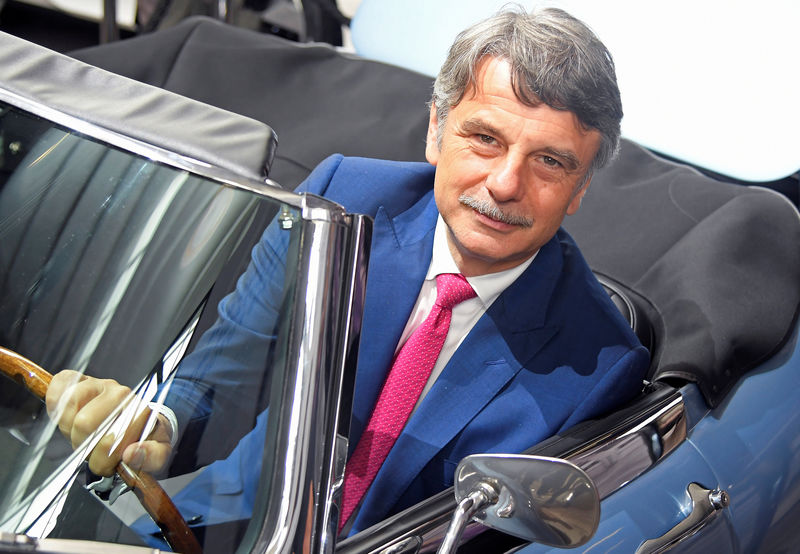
(506, 179)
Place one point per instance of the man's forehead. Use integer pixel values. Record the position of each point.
(491, 71)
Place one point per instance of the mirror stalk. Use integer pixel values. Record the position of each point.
(483, 494)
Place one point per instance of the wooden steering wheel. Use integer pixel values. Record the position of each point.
(153, 498)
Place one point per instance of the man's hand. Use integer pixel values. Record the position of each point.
(80, 404)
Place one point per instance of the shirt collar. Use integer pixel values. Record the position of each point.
(487, 287)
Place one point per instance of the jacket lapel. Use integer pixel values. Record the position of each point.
(399, 259)
(504, 340)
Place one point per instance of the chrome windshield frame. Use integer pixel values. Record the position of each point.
(266, 188)
(326, 317)
(301, 512)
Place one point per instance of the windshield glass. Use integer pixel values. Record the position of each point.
(107, 261)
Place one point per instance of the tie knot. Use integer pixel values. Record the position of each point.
(452, 289)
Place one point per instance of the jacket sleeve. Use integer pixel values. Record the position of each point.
(221, 387)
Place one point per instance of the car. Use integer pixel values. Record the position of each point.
(130, 199)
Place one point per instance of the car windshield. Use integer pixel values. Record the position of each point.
(107, 260)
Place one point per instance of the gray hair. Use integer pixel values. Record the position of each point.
(554, 59)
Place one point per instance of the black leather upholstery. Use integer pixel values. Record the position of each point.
(631, 308)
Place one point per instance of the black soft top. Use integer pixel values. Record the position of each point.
(152, 115)
(714, 266)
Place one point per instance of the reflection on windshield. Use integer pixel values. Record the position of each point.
(107, 261)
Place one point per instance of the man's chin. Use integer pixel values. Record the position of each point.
(485, 259)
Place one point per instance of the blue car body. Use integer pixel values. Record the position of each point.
(748, 446)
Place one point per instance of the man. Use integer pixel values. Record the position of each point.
(524, 110)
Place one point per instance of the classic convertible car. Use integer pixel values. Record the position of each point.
(129, 205)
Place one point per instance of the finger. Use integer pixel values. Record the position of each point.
(107, 453)
(153, 453)
(76, 391)
(61, 382)
(92, 401)
(150, 455)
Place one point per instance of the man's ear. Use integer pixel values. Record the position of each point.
(575, 203)
(431, 141)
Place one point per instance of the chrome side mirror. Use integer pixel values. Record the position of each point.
(545, 500)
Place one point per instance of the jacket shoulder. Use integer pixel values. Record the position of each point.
(587, 293)
(362, 185)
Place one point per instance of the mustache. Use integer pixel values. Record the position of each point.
(492, 210)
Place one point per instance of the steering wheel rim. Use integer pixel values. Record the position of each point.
(155, 501)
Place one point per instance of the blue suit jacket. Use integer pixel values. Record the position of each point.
(550, 352)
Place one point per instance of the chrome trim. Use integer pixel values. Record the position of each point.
(483, 495)
(338, 418)
(301, 511)
(405, 546)
(706, 506)
(266, 188)
(613, 461)
(317, 208)
(9, 542)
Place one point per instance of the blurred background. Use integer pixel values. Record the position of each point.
(65, 25)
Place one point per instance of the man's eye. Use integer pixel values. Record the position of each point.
(486, 139)
(552, 162)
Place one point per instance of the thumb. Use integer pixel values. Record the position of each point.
(150, 455)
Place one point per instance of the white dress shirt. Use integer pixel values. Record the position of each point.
(464, 315)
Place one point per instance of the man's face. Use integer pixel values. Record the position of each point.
(506, 173)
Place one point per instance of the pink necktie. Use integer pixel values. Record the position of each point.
(401, 390)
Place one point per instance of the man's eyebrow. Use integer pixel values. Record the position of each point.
(480, 127)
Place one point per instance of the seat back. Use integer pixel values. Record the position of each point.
(631, 309)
